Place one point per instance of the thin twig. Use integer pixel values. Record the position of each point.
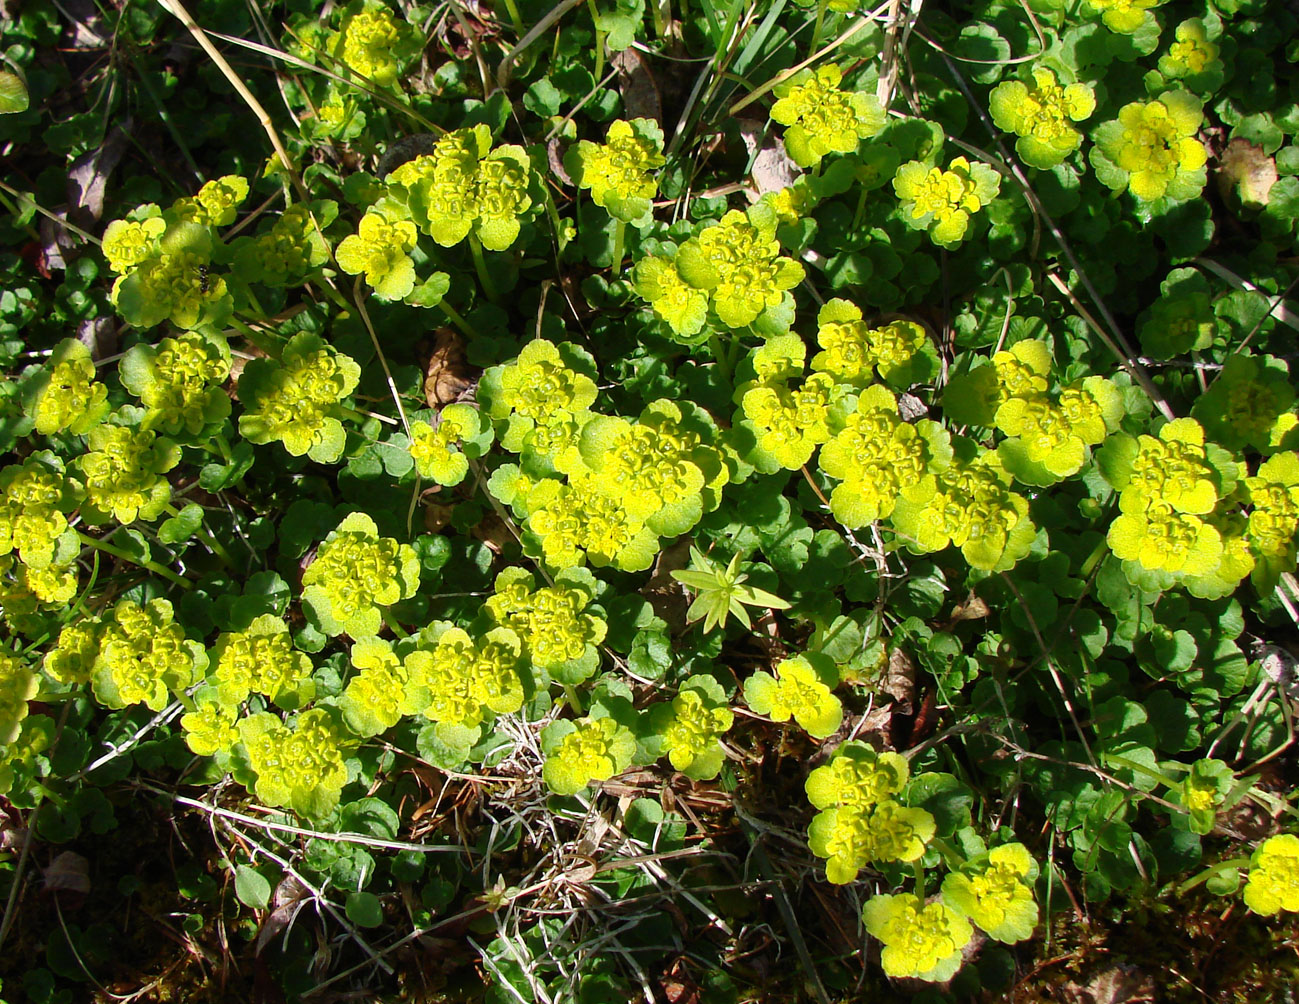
(267, 824)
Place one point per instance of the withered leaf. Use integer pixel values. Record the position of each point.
(447, 373)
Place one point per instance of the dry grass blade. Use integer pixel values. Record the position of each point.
(177, 10)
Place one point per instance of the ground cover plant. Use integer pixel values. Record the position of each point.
(681, 501)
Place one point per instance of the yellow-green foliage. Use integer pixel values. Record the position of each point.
(861, 821)
(852, 351)
(299, 766)
(799, 690)
(558, 632)
(36, 496)
(1167, 488)
(738, 262)
(356, 573)
(261, 660)
(18, 685)
(461, 680)
(996, 894)
(921, 940)
(1273, 883)
(466, 188)
(821, 117)
(144, 657)
(879, 459)
(440, 452)
(66, 395)
(691, 725)
(969, 504)
(296, 400)
(1151, 149)
(789, 421)
(215, 205)
(588, 749)
(1124, 16)
(619, 172)
(123, 471)
(1042, 114)
(943, 201)
(72, 659)
(380, 250)
(179, 382)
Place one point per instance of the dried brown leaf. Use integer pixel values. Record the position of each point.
(1245, 166)
(640, 94)
(289, 897)
(1120, 984)
(974, 608)
(899, 680)
(448, 376)
(67, 873)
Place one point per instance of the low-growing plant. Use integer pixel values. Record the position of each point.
(478, 590)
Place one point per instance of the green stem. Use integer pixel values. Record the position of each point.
(574, 698)
(480, 264)
(1208, 873)
(599, 41)
(720, 355)
(619, 237)
(733, 355)
(513, 8)
(255, 337)
(951, 856)
(456, 319)
(247, 290)
(393, 624)
(861, 208)
(121, 555)
(816, 28)
(212, 544)
(660, 22)
(16, 210)
(335, 295)
(224, 446)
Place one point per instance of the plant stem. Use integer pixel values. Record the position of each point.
(393, 624)
(480, 264)
(513, 8)
(247, 290)
(816, 28)
(456, 319)
(334, 295)
(1208, 873)
(861, 208)
(255, 337)
(660, 22)
(574, 698)
(720, 355)
(599, 41)
(619, 236)
(214, 545)
(118, 553)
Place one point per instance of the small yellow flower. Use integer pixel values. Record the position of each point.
(1151, 148)
(1192, 53)
(1042, 116)
(1274, 875)
(942, 202)
(1123, 16)
(380, 249)
(129, 242)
